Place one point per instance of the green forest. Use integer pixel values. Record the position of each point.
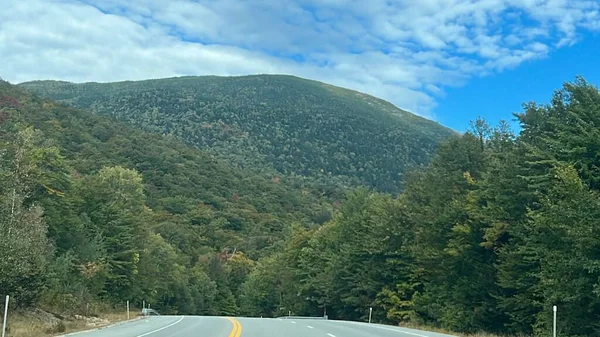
(277, 123)
(493, 233)
(94, 211)
(487, 235)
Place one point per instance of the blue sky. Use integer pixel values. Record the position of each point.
(497, 97)
(447, 60)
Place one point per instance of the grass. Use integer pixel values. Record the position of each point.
(34, 323)
(22, 326)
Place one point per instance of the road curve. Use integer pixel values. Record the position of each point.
(194, 326)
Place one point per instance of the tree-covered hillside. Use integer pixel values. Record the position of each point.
(266, 122)
(497, 230)
(492, 233)
(94, 211)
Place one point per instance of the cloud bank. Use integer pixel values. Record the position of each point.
(404, 51)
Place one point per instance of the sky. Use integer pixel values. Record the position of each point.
(447, 60)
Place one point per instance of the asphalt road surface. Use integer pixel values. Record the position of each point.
(198, 326)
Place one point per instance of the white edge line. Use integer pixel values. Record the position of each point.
(79, 332)
(401, 331)
(395, 330)
(310, 327)
(159, 329)
(108, 326)
(398, 331)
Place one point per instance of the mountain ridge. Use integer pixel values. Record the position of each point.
(293, 125)
(402, 112)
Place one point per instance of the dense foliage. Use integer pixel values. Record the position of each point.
(497, 230)
(292, 125)
(93, 211)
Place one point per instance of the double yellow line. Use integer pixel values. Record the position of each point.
(237, 327)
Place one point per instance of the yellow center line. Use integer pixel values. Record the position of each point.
(237, 327)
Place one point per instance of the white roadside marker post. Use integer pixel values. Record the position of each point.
(5, 316)
(554, 323)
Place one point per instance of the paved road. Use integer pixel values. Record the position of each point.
(196, 326)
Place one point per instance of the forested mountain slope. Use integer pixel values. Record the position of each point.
(293, 125)
(497, 230)
(129, 215)
(492, 233)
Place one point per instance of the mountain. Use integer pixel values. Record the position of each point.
(177, 177)
(267, 123)
(487, 238)
(130, 215)
(178, 208)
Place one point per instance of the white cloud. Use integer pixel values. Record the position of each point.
(404, 51)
